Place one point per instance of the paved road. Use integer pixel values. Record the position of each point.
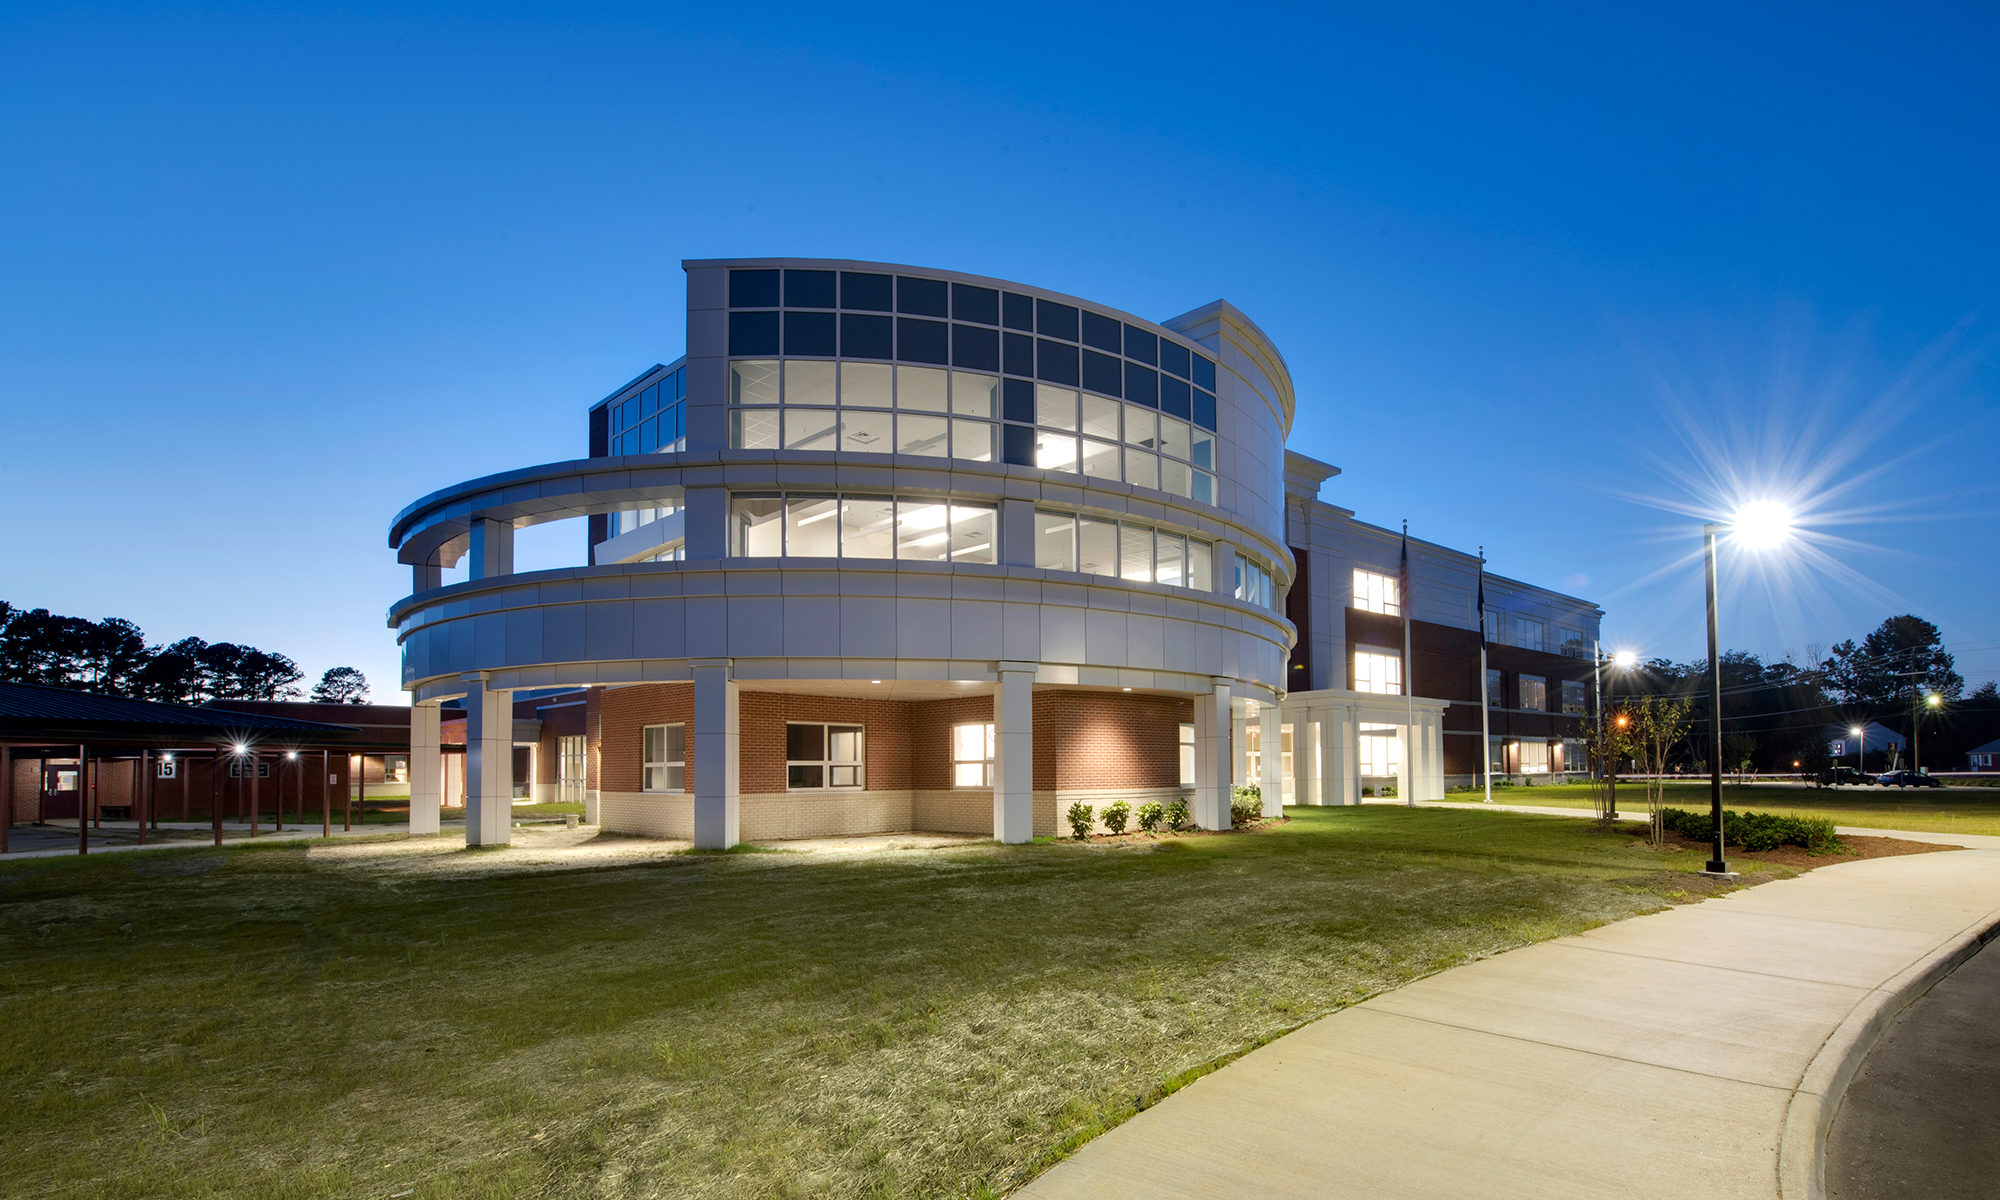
(1922, 1117)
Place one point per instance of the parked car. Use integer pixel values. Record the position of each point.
(1838, 775)
(1909, 779)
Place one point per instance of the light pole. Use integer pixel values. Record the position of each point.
(1931, 700)
(1760, 524)
(1860, 757)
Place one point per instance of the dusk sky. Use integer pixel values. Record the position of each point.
(1558, 282)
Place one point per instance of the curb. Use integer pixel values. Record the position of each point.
(1815, 1101)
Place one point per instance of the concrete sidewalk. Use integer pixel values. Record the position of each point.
(1696, 1052)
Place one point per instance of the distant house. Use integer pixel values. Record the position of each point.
(1983, 758)
(1841, 742)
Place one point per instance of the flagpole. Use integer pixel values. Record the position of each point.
(1485, 712)
(1409, 684)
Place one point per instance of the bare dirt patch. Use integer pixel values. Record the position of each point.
(1800, 859)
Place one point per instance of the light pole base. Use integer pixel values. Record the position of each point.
(1720, 870)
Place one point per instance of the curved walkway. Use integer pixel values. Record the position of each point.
(1680, 1054)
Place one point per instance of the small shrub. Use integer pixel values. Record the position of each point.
(1500, 783)
(1150, 814)
(1754, 831)
(1081, 817)
(1115, 816)
(1246, 804)
(1388, 789)
(1367, 791)
(1178, 816)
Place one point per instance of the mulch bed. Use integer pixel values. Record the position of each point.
(1797, 857)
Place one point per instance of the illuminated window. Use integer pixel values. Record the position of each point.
(1534, 758)
(1377, 672)
(972, 755)
(1187, 756)
(1376, 593)
(1534, 693)
(1380, 749)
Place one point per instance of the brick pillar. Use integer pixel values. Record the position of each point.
(716, 754)
(1212, 759)
(1014, 752)
(426, 769)
(489, 764)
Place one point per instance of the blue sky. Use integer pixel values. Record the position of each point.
(1540, 275)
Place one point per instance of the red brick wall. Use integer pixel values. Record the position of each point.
(1107, 739)
(621, 714)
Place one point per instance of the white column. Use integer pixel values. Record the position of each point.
(1272, 762)
(426, 769)
(492, 551)
(1305, 758)
(1435, 761)
(1350, 757)
(715, 755)
(489, 764)
(1331, 765)
(1212, 769)
(1406, 746)
(1014, 753)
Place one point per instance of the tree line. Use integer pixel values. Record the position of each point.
(1775, 714)
(111, 657)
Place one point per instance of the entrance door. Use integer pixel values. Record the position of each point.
(61, 797)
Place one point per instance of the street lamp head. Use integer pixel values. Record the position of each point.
(1934, 700)
(239, 748)
(1762, 524)
(1623, 720)
(1856, 731)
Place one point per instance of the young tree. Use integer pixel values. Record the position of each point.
(1658, 722)
(340, 685)
(1608, 745)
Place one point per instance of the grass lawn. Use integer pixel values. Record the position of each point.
(412, 1018)
(1928, 810)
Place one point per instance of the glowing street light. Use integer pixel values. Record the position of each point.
(1860, 736)
(1757, 525)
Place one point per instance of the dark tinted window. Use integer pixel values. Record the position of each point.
(1174, 358)
(1055, 320)
(1055, 362)
(1141, 345)
(1204, 410)
(1102, 373)
(975, 348)
(1017, 444)
(1142, 385)
(923, 341)
(979, 304)
(1101, 332)
(753, 289)
(753, 332)
(867, 337)
(810, 333)
(1019, 353)
(1174, 400)
(1017, 312)
(859, 289)
(1204, 372)
(924, 297)
(810, 289)
(1017, 400)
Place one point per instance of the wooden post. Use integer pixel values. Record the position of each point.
(6, 795)
(96, 809)
(325, 795)
(251, 771)
(347, 794)
(82, 799)
(138, 795)
(278, 782)
(180, 769)
(215, 794)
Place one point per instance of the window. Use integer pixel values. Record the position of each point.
(1575, 756)
(1572, 642)
(1575, 700)
(1534, 693)
(1493, 699)
(1380, 750)
(625, 520)
(570, 777)
(1534, 758)
(395, 768)
(1140, 553)
(1376, 593)
(1253, 583)
(1492, 623)
(1378, 672)
(653, 420)
(1496, 755)
(1187, 756)
(972, 755)
(822, 756)
(856, 526)
(1527, 633)
(664, 759)
(1253, 752)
